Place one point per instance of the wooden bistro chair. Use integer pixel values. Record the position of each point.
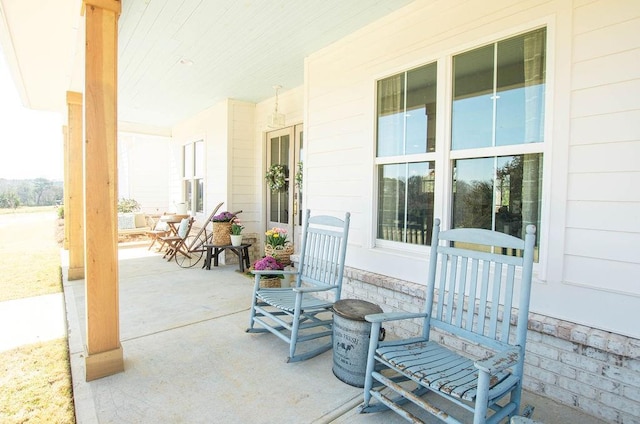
(176, 243)
(160, 229)
(476, 301)
(303, 313)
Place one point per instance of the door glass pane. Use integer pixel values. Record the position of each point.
(279, 201)
(301, 170)
(405, 202)
(472, 115)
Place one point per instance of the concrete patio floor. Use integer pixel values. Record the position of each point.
(188, 358)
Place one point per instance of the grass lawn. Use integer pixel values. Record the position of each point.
(36, 378)
(31, 255)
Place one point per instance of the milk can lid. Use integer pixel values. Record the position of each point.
(355, 309)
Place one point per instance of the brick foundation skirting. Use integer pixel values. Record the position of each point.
(589, 369)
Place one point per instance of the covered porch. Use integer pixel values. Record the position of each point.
(190, 360)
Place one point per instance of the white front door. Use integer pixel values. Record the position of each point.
(284, 147)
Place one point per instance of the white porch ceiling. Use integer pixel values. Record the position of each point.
(237, 49)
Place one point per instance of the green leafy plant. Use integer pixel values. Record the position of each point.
(236, 228)
(128, 205)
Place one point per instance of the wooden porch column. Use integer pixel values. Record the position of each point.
(74, 210)
(65, 182)
(104, 352)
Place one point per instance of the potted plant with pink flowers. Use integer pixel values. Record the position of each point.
(269, 263)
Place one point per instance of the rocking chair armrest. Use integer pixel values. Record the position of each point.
(499, 362)
(312, 289)
(393, 316)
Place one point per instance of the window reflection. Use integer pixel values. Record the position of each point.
(501, 194)
(406, 202)
(498, 96)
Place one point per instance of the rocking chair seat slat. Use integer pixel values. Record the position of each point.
(286, 300)
(439, 368)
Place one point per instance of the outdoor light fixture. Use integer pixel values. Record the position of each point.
(276, 120)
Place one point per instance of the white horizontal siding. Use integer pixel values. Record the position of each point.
(602, 244)
(609, 245)
(605, 275)
(604, 70)
(605, 186)
(609, 98)
(607, 128)
(609, 216)
(589, 158)
(607, 40)
(244, 193)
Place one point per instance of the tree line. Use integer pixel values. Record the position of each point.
(34, 192)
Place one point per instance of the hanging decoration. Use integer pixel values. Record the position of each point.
(298, 176)
(276, 120)
(276, 178)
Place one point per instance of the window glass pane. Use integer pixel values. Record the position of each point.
(188, 160)
(508, 206)
(188, 193)
(199, 195)
(390, 131)
(421, 110)
(473, 193)
(405, 202)
(391, 202)
(199, 158)
(520, 89)
(472, 114)
(509, 111)
(420, 189)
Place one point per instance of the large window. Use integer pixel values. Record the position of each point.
(406, 129)
(497, 133)
(193, 175)
(495, 149)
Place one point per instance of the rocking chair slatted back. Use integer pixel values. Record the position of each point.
(323, 252)
(476, 289)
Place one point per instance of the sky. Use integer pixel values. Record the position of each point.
(31, 142)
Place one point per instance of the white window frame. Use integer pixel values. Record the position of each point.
(196, 176)
(444, 156)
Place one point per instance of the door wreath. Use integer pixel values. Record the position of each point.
(276, 178)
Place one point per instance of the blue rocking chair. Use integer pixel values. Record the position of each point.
(480, 302)
(296, 314)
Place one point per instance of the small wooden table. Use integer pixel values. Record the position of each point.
(173, 221)
(242, 252)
